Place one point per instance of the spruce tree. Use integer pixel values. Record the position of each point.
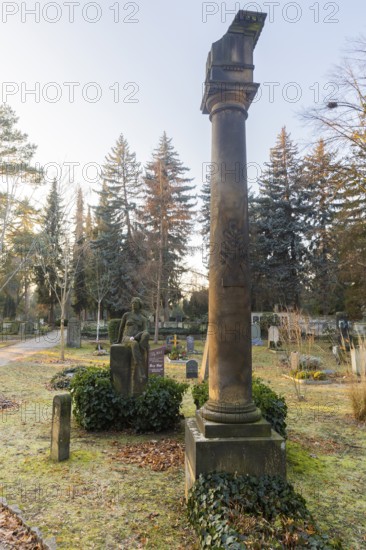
(350, 230)
(116, 213)
(80, 296)
(322, 178)
(167, 221)
(51, 253)
(281, 217)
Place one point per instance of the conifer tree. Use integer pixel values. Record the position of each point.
(116, 213)
(50, 252)
(167, 221)
(350, 230)
(281, 223)
(80, 295)
(322, 177)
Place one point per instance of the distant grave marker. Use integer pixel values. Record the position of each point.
(273, 337)
(156, 361)
(192, 369)
(190, 344)
(256, 332)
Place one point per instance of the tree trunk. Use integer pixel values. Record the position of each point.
(62, 338)
(98, 325)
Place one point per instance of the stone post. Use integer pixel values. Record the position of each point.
(228, 433)
(61, 426)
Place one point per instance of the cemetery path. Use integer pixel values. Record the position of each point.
(29, 347)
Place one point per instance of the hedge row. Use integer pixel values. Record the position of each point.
(97, 406)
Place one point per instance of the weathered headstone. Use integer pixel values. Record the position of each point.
(190, 344)
(74, 333)
(156, 361)
(61, 427)
(273, 337)
(229, 434)
(192, 369)
(256, 332)
(358, 360)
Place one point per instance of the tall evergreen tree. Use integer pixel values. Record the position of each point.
(50, 250)
(281, 223)
(321, 177)
(350, 230)
(204, 219)
(116, 220)
(16, 173)
(167, 220)
(80, 295)
(122, 175)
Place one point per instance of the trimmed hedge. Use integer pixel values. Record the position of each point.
(273, 406)
(97, 406)
(238, 512)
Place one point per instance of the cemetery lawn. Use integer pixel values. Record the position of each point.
(97, 500)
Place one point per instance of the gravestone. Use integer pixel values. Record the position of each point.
(192, 369)
(358, 360)
(190, 344)
(273, 337)
(61, 427)
(74, 333)
(256, 332)
(156, 361)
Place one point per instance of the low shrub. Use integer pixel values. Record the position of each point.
(200, 394)
(308, 375)
(177, 353)
(10, 328)
(97, 406)
(95, 403)
(157, 409)
(301, 374)
(273, 406)
(237, 512)
(62, 379)
(113, 328)
(90, 331)
(310, 362)
(319, 375)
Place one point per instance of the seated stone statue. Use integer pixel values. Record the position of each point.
(129, 356)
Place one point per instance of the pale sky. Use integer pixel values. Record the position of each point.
(146, 61)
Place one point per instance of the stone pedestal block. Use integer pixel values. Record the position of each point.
(126, 376)
(252, 449)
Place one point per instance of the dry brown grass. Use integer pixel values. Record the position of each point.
(357, 394)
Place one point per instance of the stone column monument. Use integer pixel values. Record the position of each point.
(228, 433)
